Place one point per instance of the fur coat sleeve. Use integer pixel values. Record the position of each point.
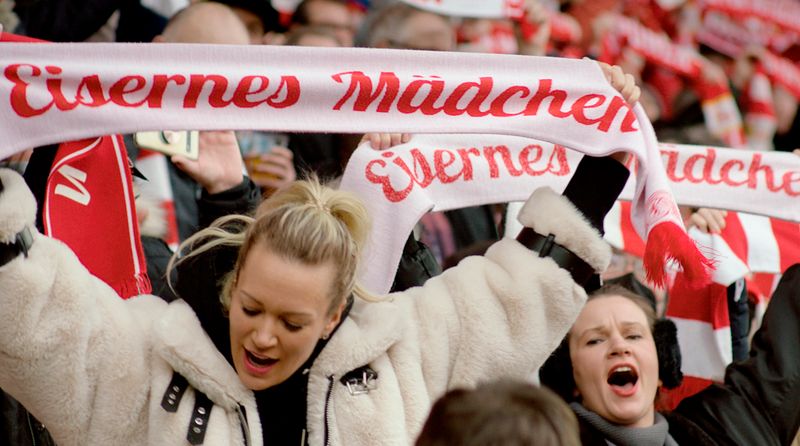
(502, 314)
(66, 338)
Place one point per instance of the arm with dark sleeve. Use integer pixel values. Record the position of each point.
(759, 402)
(593, 189)
(65, 20)
(242, 199)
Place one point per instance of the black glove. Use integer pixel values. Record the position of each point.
(595, 186)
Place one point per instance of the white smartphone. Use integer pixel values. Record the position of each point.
(170, 142)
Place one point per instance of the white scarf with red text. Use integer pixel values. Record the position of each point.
(443, 172)
(59, 92)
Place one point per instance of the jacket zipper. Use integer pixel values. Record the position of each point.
(30, 427)
(240, 411)
(327, 408)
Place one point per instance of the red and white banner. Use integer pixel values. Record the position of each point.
(486, 9)
(721, 114)
(442, 172)
(725, 35)
(759, 106)
(53, 93)
(562, 26)
(656, 48)
(782, 71)
(784, 13)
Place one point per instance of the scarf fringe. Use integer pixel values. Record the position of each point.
(667, 241)
(139, 284)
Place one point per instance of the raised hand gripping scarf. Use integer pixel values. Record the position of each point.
(62, 92)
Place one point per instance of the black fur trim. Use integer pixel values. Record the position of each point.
(665, 335)
(556, 373)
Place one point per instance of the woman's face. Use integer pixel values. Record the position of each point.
(278, 312)
(614, 361)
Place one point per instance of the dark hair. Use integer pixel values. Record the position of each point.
(506, 412)
(556, 373)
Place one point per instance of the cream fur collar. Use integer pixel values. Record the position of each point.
(181, 341)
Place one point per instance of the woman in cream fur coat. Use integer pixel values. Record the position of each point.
(101, 371)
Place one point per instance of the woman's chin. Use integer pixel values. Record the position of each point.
(252, 383)
(631, 414)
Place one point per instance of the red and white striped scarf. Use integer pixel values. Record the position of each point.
(89, 206)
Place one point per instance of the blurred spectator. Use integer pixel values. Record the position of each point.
(402, 26)
(205, 22)
(336, 14)
(8, 19)
(258, 16)
(314, 35)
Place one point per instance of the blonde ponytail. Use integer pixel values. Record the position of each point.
(307, 222)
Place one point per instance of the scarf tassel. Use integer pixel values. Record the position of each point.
(667, 241)
(140, 284)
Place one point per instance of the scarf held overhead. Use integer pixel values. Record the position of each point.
(443, 172)
(51, 93)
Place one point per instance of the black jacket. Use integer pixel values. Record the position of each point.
(759, 402)
(18, 427)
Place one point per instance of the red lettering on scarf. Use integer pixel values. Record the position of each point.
(136, 91)
(19, 92)
(708, 163)
(388, 85)
(725, 172)
(449, 166)
(734, 172)
(429, 95)
(121, 88)
(790, 178)
(160, 84)
(769, 176)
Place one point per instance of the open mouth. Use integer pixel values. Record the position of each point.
(259, 363)
(623, 380)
